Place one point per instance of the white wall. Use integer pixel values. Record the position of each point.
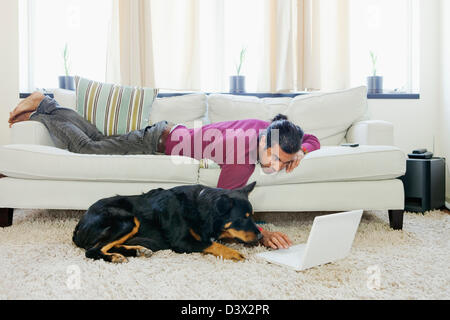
(9, 63)
(444, 113)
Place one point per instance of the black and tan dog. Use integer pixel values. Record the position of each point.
(185, 219)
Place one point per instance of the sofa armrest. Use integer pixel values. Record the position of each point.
(371, 132)
(30, 132)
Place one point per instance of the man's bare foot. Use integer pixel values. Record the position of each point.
(28, 104)
(21, 117)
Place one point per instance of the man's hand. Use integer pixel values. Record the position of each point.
(275, 240)
(294, 164)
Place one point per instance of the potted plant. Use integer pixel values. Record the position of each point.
(237, 82)
(374, 82)
(66, 82)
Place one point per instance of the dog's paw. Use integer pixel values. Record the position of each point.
(118, 258)
(235, 256)
(144, 252)
(219, 250)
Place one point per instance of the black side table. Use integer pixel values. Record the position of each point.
(424, 184)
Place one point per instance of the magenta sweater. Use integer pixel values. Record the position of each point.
(233, 145)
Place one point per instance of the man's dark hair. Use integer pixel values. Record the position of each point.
(290, 135)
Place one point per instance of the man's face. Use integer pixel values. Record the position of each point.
(273, 159)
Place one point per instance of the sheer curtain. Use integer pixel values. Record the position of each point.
(195, 44)
(130, 47)
(323, 44)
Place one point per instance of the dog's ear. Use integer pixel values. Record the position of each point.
(224, 204)
(247, 189)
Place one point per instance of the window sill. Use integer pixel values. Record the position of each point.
(24, 95)
(386, 95)
(393, 95)
(415, 96)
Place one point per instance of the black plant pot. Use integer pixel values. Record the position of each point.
(66, 82)
(375, 84)
(237, 84)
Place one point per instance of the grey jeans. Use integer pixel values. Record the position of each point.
(69, 130)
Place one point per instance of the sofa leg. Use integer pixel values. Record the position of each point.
(396, 219)
(6, 217)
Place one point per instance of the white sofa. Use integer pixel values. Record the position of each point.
(38, 174)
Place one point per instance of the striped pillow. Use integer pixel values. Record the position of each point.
(114, 109)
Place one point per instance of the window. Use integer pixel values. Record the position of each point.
(388, 28)
(223, 29)
(391, 30)
(46, 26)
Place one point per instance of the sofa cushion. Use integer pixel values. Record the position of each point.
(50, 163)
(114, 109)
(364, 163)
(226, 107)
(327, 115)
(65, 98)
(185, 109)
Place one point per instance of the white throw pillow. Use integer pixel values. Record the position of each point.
(184, 109)
(225, 107)
(328, 115)
(65, 98)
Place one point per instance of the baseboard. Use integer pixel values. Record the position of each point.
(447, 204)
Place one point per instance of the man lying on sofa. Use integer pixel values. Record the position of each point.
(235, 145)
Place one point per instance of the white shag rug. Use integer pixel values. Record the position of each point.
(39, 261)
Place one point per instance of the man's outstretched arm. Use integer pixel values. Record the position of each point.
(310, 143)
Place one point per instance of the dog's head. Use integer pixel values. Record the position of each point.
(232, 214)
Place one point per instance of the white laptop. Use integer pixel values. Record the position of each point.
(330, 239)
